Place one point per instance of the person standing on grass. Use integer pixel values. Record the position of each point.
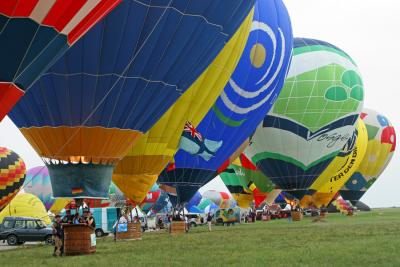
(209, 219)
(57, 236)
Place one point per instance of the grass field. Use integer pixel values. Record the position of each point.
(366, 239)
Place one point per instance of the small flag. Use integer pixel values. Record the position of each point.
(77, 191)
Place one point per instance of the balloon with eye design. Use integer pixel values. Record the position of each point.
(247, 97)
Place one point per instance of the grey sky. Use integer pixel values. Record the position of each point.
(368, 30)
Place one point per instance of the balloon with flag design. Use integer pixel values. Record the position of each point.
(85, 112)
(248, 95)
(380, 149)
(312, 119)
(35, 33)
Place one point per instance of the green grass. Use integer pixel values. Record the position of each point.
(366, 239)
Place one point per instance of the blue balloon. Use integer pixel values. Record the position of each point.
(248, 96)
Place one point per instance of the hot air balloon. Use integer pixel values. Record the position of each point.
(115, 199)
(140, 168)
(151, 198)
(326, 186)
(35, 33)
(195, 200)
(162, 204)
(12, 175)
(312, 119)
(250, 92)
(83, 114)
(380, 149)
(26, 205)
(38, 183)
(246, 183)
(222, 199)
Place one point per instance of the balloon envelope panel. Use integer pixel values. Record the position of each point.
(312, 119)
(116, 82)
(380, 149)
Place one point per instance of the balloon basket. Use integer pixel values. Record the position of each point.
(266, 218)
(134, 232)
(297, 215)
(177, 227)
(79, 239)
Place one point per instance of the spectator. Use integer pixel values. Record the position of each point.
(209, 219)
(57, 236)
(68, 217)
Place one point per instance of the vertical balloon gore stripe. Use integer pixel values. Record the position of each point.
(9, 96)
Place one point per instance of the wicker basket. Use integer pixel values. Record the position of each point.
(178, 227)
(134, 232)
(297, 215)
(79, 239)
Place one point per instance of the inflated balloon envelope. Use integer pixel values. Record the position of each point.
(250, 92)
(339, 171)
(35, 33)
(38, 183)
(84, 114)
(140, 168)
(12, 175)
(312, 119)
(380, 150)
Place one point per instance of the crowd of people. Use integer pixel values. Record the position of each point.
(58, 229)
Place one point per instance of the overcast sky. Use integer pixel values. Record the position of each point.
(368, 30)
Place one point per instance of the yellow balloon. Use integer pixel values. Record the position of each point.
(59, 204)
(139, 169)
(338, 172)
(243, 200)
(26, 205)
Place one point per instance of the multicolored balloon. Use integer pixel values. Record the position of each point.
(246, 183)
(12, 175)
(249, 94)
(84, 114)
(221, 199)
(151, 198)
(380, 150)
(38, 183)
(35, 33)
(313, 118)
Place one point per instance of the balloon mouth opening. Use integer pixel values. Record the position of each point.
(77, 160)
(80, 180)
